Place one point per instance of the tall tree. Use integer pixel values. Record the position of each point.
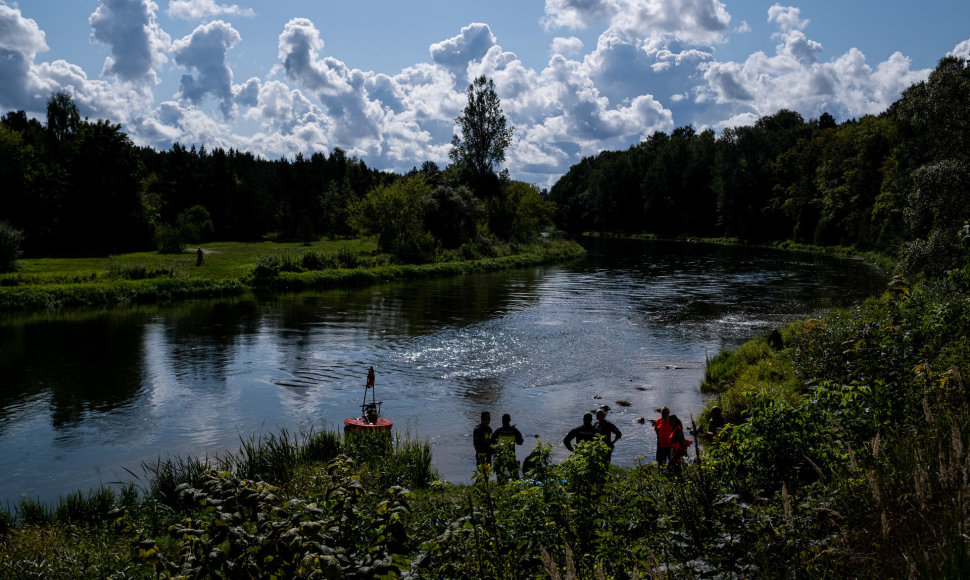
(485, 134)
(63, 118)
(102, 206)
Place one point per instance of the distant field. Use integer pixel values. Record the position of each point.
(231, 268)
(223, 261)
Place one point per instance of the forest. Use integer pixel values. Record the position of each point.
(893, 183)
(76, 188)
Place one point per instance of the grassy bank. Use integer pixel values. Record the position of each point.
(233, 268)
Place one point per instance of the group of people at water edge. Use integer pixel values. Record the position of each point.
(497, 448)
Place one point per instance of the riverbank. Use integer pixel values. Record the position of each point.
(886, 264)
(862, 473)
(229, 269)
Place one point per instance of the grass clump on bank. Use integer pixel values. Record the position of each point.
(753, 367)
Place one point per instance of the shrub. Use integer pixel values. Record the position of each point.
(195, 224)
(266, 270)
(778, 443)
(168, 239)
(10, 242)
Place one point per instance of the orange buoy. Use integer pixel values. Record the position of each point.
(370, 420)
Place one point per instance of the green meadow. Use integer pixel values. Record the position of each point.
(230, 268)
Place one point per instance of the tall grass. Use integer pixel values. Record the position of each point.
(165, 477)
(912, 505)
(76, 508)
(273, 457)
(278, 458)
(753, 367)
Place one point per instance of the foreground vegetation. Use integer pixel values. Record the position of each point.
(846, 455)
(236, 267)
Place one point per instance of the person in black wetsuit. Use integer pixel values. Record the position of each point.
(504, 440)
(607, 430)
(482, 439)
(584, 432)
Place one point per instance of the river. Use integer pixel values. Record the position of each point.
(86, 397)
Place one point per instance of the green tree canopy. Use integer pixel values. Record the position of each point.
(63, 118)
(395, 213)
(484, 135)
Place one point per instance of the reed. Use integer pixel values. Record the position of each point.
(34, 512)
(269, 457)
(76, 507)
(165, 476)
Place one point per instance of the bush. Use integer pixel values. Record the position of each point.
(10, 242)
(129, 271)
(266, 270)
(195, 224)
(168, 239)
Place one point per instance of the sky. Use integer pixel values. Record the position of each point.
(385, 80)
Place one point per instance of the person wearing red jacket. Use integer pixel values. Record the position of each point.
(678, 443)
(663, 429)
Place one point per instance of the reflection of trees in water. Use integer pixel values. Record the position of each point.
(84, 364)
(203, 338)
(695, 285)
(95, 362)
(413, 309)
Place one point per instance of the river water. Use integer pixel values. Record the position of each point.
(87, 397)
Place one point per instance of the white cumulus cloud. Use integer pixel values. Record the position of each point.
(457, 52)
(962, 49)
(20, 42)
(689, 21)
(794, 78)
(199, 9)
(566, 46)
(138, 44)
(204, 51)
(654, 66)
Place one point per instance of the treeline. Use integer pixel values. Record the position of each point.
(895, 182)
(74, 187)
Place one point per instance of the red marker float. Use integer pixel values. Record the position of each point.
(370, 419)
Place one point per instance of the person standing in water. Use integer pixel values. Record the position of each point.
(505, 438)
(482, 440)
(607, 430)
(584, 432)
(663, 429)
